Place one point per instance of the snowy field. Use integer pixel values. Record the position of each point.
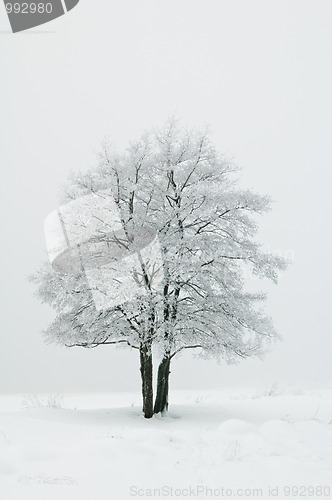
(212, 444)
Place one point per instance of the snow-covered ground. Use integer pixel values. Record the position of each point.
(211, 444)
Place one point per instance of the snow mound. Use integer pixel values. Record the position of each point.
(235, 426)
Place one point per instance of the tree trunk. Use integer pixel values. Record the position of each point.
(161, 403)
(147, 379)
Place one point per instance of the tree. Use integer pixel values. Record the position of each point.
(177, 184)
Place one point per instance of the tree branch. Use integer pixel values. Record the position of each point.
(88, 345)
(185, 347)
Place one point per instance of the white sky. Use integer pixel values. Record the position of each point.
(259, 72)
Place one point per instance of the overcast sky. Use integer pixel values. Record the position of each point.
(259, 72)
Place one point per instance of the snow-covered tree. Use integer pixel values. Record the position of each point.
(175, 183)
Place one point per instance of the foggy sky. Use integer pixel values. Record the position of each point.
(259, 73)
